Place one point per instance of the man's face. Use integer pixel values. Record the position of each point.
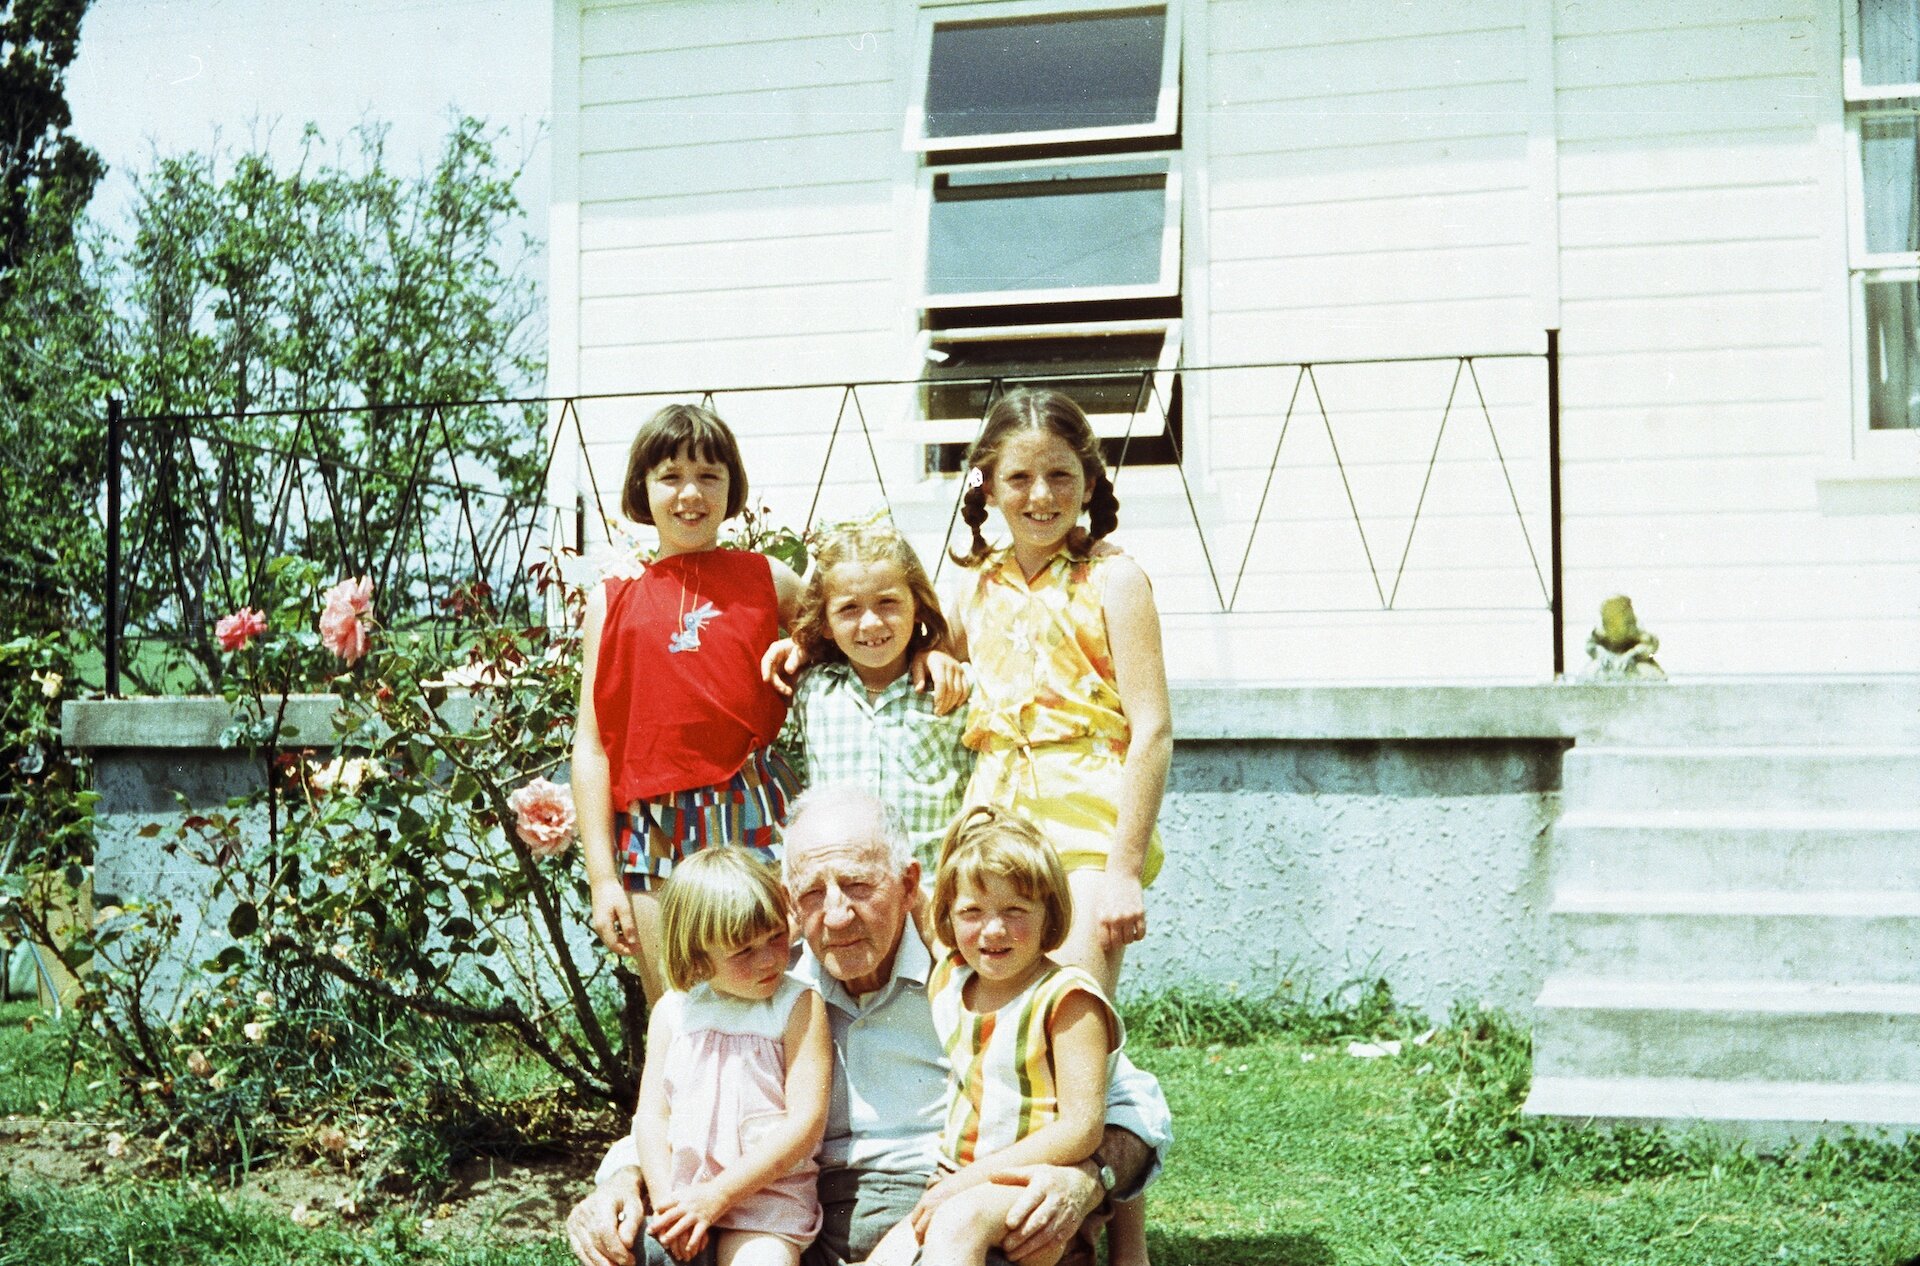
(852, 904)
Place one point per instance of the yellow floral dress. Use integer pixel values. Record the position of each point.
(1045, 716)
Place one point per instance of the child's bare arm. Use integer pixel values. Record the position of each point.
(1080, 1038)
(593, 796)
(651, 1115)
(1140, 670)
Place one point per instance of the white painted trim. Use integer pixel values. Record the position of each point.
(949, 13)
(1196, 290)
(563, 245)
(1543, 163)
(1167, 284)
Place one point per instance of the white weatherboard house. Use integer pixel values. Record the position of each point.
(1412, 316)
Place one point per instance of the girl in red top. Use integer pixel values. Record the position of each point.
(672, 751)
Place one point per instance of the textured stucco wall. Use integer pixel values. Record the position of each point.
(1421, 862)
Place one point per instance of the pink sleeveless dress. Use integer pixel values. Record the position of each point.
(727, 1084)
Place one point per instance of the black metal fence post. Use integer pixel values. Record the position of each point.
(1558, 600)
(110, 647)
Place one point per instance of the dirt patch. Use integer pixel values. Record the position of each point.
(503, 1199)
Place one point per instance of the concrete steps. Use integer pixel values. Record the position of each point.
(1736, 933)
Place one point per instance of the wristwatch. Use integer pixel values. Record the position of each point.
(1104, 1175)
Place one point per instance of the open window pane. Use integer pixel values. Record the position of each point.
(1010, 235)
(1893, 354)
(1123, 378)
(1889, 147)
(1062, 72)
(1890, 42)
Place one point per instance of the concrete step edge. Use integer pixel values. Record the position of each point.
(1667, 1098)
(1739, 903)
(1801, 998)
(1586, 752)
(1821, 821)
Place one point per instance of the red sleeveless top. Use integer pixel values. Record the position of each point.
(677, 688)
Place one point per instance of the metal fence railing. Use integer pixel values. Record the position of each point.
(451, 530)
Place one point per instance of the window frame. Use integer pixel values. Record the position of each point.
(1166, 120)
(1105, 425)
(1860, 102)
(1167, 285)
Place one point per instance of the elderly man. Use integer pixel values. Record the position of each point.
(854, 884)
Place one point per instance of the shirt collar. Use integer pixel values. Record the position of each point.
(1009, 569)
(841, 674)
(912, 965)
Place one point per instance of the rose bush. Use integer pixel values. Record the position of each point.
(402, 914)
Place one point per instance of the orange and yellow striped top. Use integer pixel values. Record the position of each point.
(1000, 1083)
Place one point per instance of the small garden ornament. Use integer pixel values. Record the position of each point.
(1619, 649)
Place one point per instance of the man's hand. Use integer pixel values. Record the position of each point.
(1044, 1217)
(781, 664)
(602, 1228)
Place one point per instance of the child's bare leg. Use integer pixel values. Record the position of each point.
(967, 1225)
(753, 1248)
(896, 1247)
(646, 928)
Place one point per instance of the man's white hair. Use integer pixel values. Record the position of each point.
(855, 800)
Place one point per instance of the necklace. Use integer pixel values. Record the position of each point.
(686, 634)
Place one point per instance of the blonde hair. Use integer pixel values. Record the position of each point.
(717, 900)
(987, 840)
(867, 541)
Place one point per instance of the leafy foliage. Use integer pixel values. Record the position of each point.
(46, 174)
(392, 937)
(335, 286)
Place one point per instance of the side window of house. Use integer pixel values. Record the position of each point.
(1883, 124)
(1049, 143)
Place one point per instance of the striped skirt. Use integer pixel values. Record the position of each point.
(747, 809)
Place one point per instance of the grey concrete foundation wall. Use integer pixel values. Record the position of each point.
(1299, 866)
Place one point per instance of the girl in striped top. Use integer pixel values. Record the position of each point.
(1030, 1043)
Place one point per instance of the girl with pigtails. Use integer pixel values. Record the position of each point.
(1069, 710)
(1069, 715)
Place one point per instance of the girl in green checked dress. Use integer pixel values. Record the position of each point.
(868, 609)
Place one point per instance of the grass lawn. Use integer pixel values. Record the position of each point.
(1290, 1153)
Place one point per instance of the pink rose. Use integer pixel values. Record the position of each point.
(340, 628)
(543, 817)
(237, 630)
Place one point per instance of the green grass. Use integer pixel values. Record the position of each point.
(1290, 1153)
(1283, 1161)
(183, 1225)
(34, 1064)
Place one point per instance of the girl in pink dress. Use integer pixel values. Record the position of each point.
(733, 1097)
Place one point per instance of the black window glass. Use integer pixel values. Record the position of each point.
(1045, 74)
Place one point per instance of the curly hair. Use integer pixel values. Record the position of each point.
(676, 429)
(1029, 409)
(867, 541)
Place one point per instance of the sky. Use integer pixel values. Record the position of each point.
(190, 74)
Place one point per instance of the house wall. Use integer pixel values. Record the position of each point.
(1446, 178)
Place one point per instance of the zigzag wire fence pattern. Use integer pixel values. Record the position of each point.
(453, 543)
